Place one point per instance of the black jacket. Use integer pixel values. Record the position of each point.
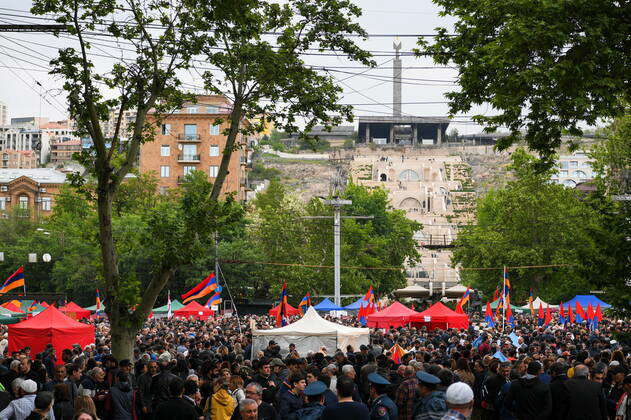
(585, 400)
(529, 399)
(160, 387)
(175, 408)
(559, 396)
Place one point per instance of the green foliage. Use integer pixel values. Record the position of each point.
(545, 66)
(533, 222)
(259, 172)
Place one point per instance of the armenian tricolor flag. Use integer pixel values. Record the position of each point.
(464, 299)
(580, 313)
(370, 295)
(496, 294)
(532, 309)
(281, 314)
(540, 316)
(548, 317)
(14, 281)
(562, 319)
(215, 299)
(397, 353)
(506, 292)
(306, 301)
(204, 288)
(509, 316)
(488, 316)
(98, 302)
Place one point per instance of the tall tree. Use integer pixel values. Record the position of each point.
(546, 66)
(257, 47)
(532, 222)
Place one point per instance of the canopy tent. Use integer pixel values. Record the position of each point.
(291, 311)
(310, 333)
(44, 304)
(584, 300)
(93, 308)
(513, 307)
(195, 310)
(356, 306)
(395, 315)
(412, 291)
(537, 302)
(327, 305)
(175, 305)
(456, 291)
(440, 316)
(49, 327)
(75, 311)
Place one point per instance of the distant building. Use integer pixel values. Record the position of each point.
(30, 192)
(29, 122)
(109, 126)
(573, 169)
(338, 135)
(61, 150)
(402, 130)
(26, 139)
(191, 139)
(4, 113)
(18, 159)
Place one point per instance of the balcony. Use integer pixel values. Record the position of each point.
(181, 179)
(189, 138)
(188, 158)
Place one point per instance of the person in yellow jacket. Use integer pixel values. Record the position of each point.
(221, 404)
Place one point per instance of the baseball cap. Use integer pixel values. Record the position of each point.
(459, 393)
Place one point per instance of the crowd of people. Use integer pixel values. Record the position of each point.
(187, 369)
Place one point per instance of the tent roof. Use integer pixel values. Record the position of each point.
(175, 305)
(412, 291)
(397, 309)
(193, 306)
(327, 305)
(5, 311)
(71, 307)
(53, 318)
(93, 308)
(458, 288)
(513, 307)
(439, 310)
(313, 324)
(357, 304)
(538, 301)
(291, 311)
(583, 300)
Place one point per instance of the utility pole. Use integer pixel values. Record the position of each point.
(337, 204)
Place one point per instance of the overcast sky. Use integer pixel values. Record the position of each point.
(22, 94)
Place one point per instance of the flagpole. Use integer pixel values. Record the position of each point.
(504, 298)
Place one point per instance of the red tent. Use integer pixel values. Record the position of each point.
(75, 311)
(395, 315)
(291, 311)
(195, 310)
(44, 304)
(440, 316)
(49, 327)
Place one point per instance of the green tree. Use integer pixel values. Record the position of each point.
(545, 66)
(532, 222)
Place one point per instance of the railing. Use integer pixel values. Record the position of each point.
(181, 179)
(189, 137)
(188, 158)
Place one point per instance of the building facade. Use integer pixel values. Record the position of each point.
(402, 130)
(18, 159)
(29, 192)
(4, 113)
(26, 139)
(191, 139)
(573, 169)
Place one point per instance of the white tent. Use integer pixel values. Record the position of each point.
(537, 302)
(412, 291)
(310, 333)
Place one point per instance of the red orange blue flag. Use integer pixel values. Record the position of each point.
(14, 281)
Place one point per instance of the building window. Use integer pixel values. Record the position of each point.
(188, 170)
(165, 150)
(213, 171)
(573, 164)
(212, 109)
(3, 203)
(165, 171)
(23, 202)
(563, 165)
(563, 174)
(190, 131)
(214, 130)
(46, 203)
(192, 109)
(166, 129)
(214, 150)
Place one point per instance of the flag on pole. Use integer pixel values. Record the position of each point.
(548, 318)
(215, 299)
(496, 294)
(506, 287)
(306, 301)
(397, 353)
(488, 316)
(98, 302)
(204, 288)
(509, 315)
(570, 314)
(532, 309)
(590, 315)
(500, 307)
(540, 316)
(361, 316)
(580, 313)
(281, 314)
(370, 295)
(463, 300)
(14, 281)
(562, 319)
(169, 311)
(598, 316)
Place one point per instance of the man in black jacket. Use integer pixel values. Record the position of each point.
(175, 407)
(585, 399)
(530, 396)
(161, 382)
(557, 389)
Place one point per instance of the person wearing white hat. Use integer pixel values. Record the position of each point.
(459, 399)
(21, 408)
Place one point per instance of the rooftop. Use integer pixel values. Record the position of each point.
(41, 175)
(404, 119)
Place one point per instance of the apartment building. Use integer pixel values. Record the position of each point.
(191, 139)
(18, 159)
(573, 169)
(30, 192)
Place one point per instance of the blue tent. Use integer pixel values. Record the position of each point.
(327, 305)
(583, 300)
(356, 306)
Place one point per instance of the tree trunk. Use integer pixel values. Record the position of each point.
(123, 334)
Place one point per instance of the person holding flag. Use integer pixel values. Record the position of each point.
(208, 285)
(14, 281)
(305, 302)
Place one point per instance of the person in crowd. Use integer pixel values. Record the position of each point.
(21, 408)
(314, 393)
(431, 404)
(120, 402)
(528, 397)
(346, 408)
(42, 406)
(85, 404)
(222, 403)
(290, 399)
(63, 407)
(459, 400)
(248, 409)
(382, 408)
(175, 407)
(585, 398)
(406, 393)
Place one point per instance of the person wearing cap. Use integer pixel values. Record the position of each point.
(528, 397)
(382, 407)
(315, 403)
(22, 407)
(623, 410)
(431, 405)
(459, 400)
